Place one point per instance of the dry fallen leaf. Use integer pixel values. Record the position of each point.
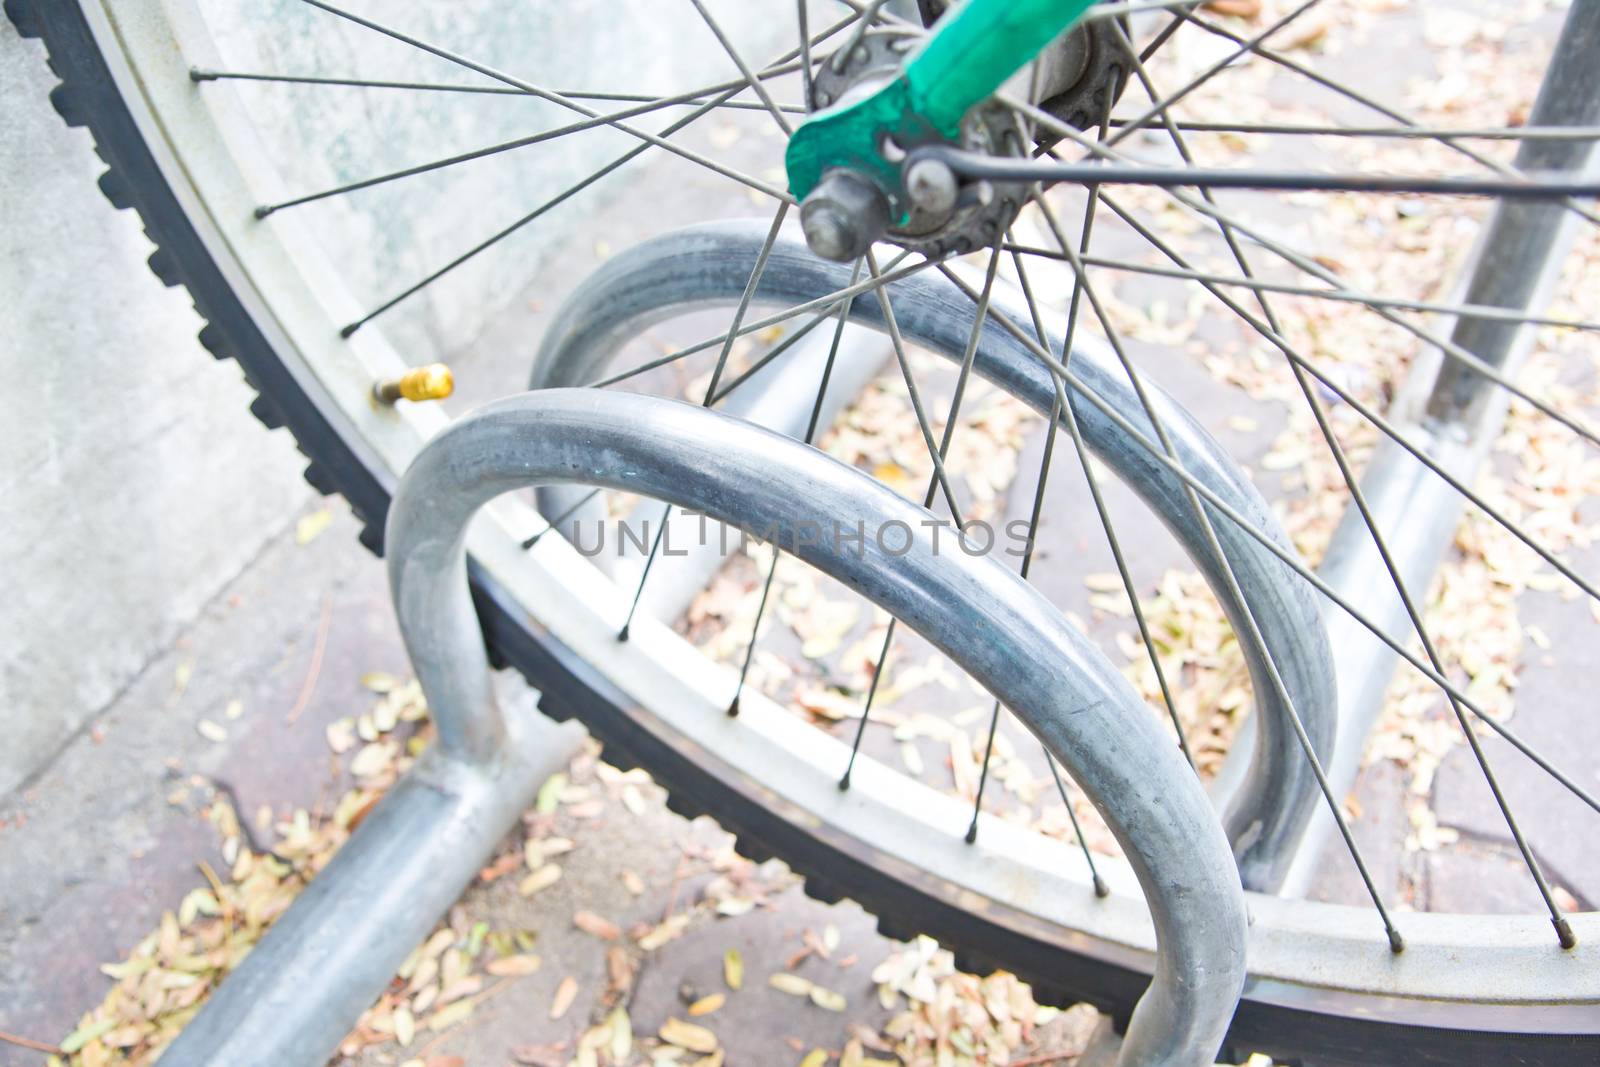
(792, 984)
(707, 1004)
(312, 525)
(543, 878)
(509, 966)
(828, 999)
(596, 925)
(565, 994)
(733, 969)
(688, 1036)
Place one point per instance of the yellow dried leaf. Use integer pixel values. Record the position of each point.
(667, 931)
(543, 878)
(621, 1027)
(827, 999)
(85, 1034)
(405, 1026)
(513, 966)
(793, 984)
(566, 993)
(733, 968)
(312, 525)
(815, 1058)
(596, 925)
(688, 1036)
(379, 681)
(708, 1004)
(445, 1018)
(550, 793)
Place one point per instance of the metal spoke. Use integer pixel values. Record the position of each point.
(826, 302)
(1310, 266)
(869, 15)
(1396, 943)
(570, 191)
(1256, 46)
(1069, 415)
(1061, 408)
(495, 149)
(561, 518)
(1319, 413)
(744, 68)
(1426, 133)
(756, 272)
(802, 18)
(658, 140)
(771, 354)
(935, 452)
(1350, 296)
(1100, 888)
(940, 478)
(1384, 425)
(200, 75)
(1160, 106)
(500, 235)
(811, 432)
(1161, 38)
(1288, 558)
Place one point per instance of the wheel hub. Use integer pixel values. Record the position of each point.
(939, 215)
(1081, 76)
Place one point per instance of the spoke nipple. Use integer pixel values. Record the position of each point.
(531, 541)
(198, 75)
(844, 783)
(1397, 945)
(433, 382)
(263, 211)
(733, 708)
(346, 331)
(1100, 888)
(1564, 932)
(622, 634)
(972, 833)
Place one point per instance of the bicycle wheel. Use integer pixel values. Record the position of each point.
(204, 162)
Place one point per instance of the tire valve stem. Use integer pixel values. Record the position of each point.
(432, 382)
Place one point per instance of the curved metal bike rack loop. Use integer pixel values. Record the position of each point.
(972, 608)
(709, 266)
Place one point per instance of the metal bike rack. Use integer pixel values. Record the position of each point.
(709, 265)
(337, 948)
(298, 993)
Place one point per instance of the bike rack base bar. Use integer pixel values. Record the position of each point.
(297, 995)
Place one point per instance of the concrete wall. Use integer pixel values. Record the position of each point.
(122, 444)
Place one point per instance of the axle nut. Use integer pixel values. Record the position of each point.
(843, 215)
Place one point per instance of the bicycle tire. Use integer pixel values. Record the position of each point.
(1344, 1033)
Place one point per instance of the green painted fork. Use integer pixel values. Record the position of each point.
(972, 52)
